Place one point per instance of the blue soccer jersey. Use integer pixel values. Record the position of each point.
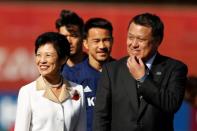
(88, 77)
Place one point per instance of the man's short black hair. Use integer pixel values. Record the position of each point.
(69, 18)
(153, 21)
(97, 23)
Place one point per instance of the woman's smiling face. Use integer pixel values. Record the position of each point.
(47, 60)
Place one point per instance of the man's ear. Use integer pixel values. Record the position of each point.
(112, 40)
(156, 42)
(85, 44)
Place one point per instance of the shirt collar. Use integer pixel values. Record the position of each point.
(150, 61)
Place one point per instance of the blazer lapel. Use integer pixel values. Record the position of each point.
(48, 93)
(157, 73)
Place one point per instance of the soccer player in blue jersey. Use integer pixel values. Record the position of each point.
(98, 40)
(71, 25)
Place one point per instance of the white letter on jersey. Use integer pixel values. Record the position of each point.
(90, 101)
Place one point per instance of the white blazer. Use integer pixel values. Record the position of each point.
(39, 110)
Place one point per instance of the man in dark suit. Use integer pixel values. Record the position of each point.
(140, 92)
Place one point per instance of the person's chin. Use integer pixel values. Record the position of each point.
(136, 55)
(44, 74)
(72, 53)
(102, 58)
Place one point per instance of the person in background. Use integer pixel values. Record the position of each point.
(98, 40)
(186, 117)
(191, 91)
(191, 98)
(51, 103)
(71, 25)
(141, 91)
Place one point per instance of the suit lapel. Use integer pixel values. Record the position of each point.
(129, 84)
(156, 73)
(158, 68)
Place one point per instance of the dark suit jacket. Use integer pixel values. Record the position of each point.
(117, 108)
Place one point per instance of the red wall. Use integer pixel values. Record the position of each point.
(20, 24)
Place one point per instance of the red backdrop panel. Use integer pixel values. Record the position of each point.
(20, 24)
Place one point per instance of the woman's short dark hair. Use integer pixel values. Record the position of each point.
(59, 42)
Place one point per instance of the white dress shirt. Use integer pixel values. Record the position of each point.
(39, 110)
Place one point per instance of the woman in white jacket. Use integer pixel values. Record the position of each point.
(50, 103)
